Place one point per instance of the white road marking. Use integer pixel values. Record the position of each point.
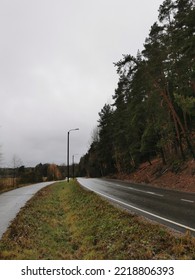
(186, 200)
(141, 210)
(130, 188)
(153, 193)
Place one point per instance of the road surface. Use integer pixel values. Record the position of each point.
(172, 208)
(12, 201)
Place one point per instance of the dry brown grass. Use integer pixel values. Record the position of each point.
(7, 184)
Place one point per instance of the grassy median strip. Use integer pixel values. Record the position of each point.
(64, 221)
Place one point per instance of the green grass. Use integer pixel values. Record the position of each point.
(64, 221)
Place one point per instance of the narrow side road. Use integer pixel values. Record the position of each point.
(172, 208)
(12, 201)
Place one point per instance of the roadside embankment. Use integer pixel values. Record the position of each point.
(178, 176)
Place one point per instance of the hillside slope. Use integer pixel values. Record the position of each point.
(178, 176)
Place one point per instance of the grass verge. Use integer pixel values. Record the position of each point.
(64, 221)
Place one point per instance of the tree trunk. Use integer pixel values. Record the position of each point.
(163, 93)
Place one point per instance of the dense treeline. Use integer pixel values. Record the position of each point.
(16, 176)
(20, 175)
(153, 110)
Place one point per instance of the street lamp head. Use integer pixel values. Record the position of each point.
(73, 129)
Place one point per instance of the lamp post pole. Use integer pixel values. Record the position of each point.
(68, 175)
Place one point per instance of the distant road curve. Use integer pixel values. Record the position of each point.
(12, 201)
(172, 208)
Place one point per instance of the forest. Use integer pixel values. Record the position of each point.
(19, 175)
(152, 114)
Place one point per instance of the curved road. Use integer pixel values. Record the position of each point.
(12, 201)
(172, 208)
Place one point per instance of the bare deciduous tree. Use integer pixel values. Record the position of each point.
(16, 162)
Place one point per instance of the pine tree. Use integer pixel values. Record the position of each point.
(105, 146)
(153, 110)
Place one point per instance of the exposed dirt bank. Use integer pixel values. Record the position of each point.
(179, 176)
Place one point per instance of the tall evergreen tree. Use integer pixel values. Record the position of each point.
(153, 110)
(105, 146)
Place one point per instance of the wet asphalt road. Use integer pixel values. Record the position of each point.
(12, 201)
(171, 208)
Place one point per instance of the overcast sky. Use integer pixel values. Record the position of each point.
(57, 72)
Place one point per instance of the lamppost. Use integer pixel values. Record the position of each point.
(68, 151)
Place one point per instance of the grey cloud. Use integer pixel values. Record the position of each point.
(56, 70)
